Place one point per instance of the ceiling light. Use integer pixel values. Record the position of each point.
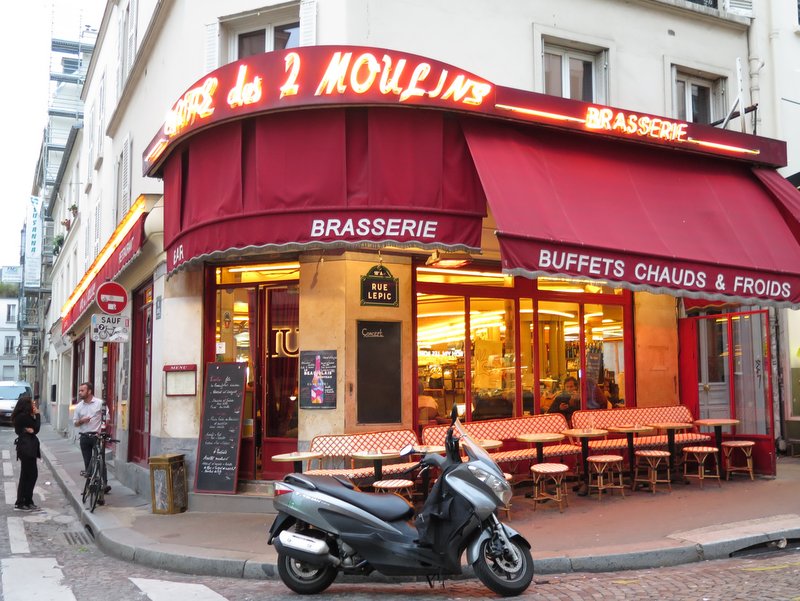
(448, 260)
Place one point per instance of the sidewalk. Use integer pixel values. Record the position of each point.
(640, 531)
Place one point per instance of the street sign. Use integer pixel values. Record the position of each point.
(111, 298)
(110, 328)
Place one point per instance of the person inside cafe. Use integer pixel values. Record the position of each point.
(597, 398)
(568, 400)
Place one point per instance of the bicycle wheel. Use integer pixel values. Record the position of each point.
(95, 486)
(88, 481)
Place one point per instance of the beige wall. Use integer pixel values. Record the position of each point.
(656, 349)
(330, 306)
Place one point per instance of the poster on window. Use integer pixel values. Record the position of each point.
(317, 384)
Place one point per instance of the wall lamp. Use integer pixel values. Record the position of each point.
(448, 260)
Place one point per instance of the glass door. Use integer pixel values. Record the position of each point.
(259, 325)
(733, 378)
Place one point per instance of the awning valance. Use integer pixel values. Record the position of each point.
(644, 218)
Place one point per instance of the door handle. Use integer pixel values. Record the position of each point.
(706, 388)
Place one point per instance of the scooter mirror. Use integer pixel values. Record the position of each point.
(407, 450)
(454, 414)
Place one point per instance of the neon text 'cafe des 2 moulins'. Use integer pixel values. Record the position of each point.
(383, 236)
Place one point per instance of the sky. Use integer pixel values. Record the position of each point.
(26, 49)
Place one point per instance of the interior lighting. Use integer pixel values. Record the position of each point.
(483, 274)
(448, 260)
(295, 266)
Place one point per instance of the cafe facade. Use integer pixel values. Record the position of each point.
(380, 237)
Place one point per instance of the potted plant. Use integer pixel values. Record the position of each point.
(66, 223)
(73, 208)
(58, 242)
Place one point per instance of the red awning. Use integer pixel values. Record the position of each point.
(128, 248)
(644, 218)
(322, 179)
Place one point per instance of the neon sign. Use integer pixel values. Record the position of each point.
(315, 76)
(631, 123)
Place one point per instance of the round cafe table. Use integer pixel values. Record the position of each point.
(584, 434)
(539, 438)
(718, 423)
(629, 430)
(297, 457)
(489, 444)
(670, 428)
(377, 457)
(424, 449)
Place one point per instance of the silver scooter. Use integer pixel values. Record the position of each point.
(325, 525)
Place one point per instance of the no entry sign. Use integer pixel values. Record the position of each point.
(111, 298)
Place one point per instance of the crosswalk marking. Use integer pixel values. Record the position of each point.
(16, 536)
(163, 590)
(10, 490)
(26, 578)
(8, 470)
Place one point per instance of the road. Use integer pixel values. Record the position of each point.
(48, 556)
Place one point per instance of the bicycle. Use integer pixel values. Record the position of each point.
(94, 488)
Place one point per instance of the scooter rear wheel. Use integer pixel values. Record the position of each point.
(304, 578)
(507, 575)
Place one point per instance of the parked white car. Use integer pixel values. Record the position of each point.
(9, 393)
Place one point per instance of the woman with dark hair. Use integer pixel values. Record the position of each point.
(26, 420)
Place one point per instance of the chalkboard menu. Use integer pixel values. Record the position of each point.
(379, 372)
(221, 426)
(594, 366)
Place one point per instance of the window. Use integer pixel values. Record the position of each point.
(254, 33)
(697, 99)
(10, 346)
(575, 74)
(11, 313)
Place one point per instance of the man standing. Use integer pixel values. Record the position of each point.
(88, 419)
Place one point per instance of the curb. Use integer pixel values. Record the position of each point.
(710, 543)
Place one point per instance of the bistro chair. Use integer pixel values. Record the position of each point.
(652, 460)
(400, 486)
(552, 473)
(728, 449)
(699, 455)
(605, 473)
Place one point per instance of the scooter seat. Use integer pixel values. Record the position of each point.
(383, 506)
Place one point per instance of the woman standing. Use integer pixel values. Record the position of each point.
(26, 421)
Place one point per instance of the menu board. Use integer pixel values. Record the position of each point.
(379, 372)
(594, 366)
(220, 428)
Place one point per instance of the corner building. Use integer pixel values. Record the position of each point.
(378, 230)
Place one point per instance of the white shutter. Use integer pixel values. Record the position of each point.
(125, 174)
(96, 242)
(212, 46)
(308, 22)
(87, 245)
(740, 7)
(121, 39)
(132, 21)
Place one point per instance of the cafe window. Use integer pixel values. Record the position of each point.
(515, 350)
(575, 74)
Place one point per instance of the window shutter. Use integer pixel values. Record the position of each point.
(121, 35)
(740, 7)
(308, 22)
(96, 242)
(132, 20)
(212, 46)
(87, 242)
(125, 166)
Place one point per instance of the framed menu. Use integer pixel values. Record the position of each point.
(220, 428)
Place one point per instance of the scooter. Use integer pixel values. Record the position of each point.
(325, 525)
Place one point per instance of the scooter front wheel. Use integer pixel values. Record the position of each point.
(304, 578)
(507, 572)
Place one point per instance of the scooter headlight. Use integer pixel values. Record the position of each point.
(499, 486)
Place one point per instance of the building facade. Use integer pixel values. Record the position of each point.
(206, 231)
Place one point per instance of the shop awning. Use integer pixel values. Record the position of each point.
(121, 249)
(640, 217)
